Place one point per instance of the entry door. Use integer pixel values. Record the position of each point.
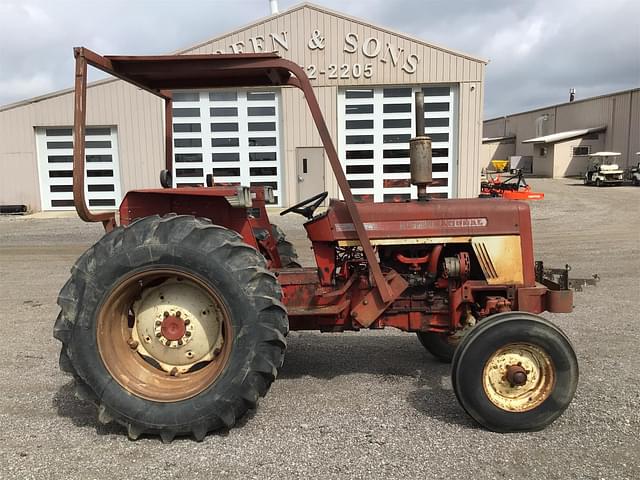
(310, 171)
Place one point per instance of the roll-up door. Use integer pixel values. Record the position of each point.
(375, 125)
(233, 134)
(55, 161)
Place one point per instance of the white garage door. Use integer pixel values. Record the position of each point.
(375, 125)
(233, 134)
(55, 162)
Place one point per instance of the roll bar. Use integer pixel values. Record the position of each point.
(160, 74)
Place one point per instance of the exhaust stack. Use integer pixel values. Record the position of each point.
(420, 152)
(273, 6)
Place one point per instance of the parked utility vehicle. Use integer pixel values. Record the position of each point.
(175, 322)
(635, 173)
(603, 171)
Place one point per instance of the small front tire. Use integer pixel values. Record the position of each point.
(515, 372)
(440, 345)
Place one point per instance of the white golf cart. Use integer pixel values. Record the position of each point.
(603, 170)
(635, 172)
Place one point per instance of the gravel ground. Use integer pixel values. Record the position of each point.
(353, 405)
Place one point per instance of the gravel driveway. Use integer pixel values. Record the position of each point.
(352, 405)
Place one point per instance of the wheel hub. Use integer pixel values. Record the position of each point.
(518, 377)
(173, 328)
(177, 326)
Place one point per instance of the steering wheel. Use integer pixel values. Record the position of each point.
(308, 206)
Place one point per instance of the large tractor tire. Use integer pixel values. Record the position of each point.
(286, 250)
(515, 372)
(171, 326)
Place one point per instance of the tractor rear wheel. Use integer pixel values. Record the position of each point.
(514, 372)
(286, 250)
(440, 345)
(171, 326)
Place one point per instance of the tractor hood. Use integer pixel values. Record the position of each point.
(416, 219)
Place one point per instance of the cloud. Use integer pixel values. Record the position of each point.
(538, 49)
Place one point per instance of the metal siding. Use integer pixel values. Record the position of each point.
(634, 129)
(141, 150)
(435, 66)
(469, 139)
(300, 131)
(494, 128)
(620, 112)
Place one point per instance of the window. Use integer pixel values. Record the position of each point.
(581, 151)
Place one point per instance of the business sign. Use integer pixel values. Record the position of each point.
(374, 50)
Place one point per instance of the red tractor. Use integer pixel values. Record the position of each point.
(175, 321)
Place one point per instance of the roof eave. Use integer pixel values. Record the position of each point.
(570, 135)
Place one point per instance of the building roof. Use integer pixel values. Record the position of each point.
(569, 134)
(605, 154)
(253, 24)
(498, 139)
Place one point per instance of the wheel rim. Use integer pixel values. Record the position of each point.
(519, 377)
(164, 334)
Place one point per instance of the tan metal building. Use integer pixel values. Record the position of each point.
(364, 77)
(556, 141)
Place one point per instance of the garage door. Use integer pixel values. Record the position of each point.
(55, 162)
(375, 125)
(233, 134)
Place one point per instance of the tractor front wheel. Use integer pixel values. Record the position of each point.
(286, 250)
(440, 345)
(515, 371)
(171, 326)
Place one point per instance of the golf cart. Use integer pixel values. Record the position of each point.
(603, 171)
(635, 172)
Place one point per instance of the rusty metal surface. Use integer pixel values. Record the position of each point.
(559, 301)
(373, 304)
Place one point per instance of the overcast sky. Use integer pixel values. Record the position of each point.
(537, 49)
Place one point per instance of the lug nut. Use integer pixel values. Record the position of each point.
(158, 323)
(186, 321)
(178, 313)
(166, 314)
(132, 343)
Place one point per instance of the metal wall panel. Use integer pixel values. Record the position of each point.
(138, 116)
(619, 112)
(322, 39)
